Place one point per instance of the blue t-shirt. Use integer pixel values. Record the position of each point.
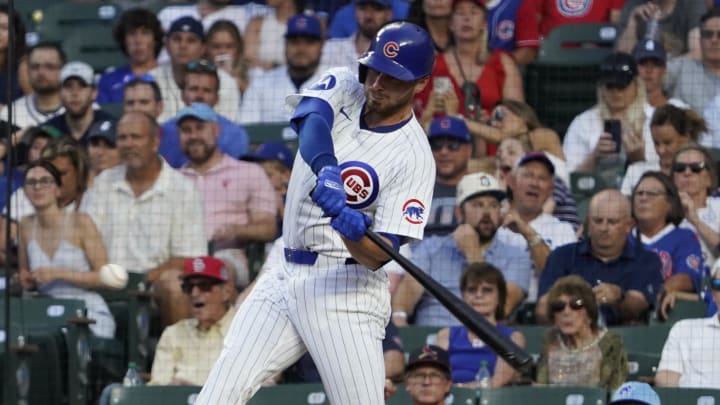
(343, 23)
(233, 141)
(111, 85)
(679, 251)
(465, 357)
(501, 24)
(636, 269)
(18, 179)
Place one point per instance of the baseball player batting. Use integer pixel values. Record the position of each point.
(365, 164)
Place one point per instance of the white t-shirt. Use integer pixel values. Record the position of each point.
(633, 174)
(710, 215)
(26, 113)
(691, 349)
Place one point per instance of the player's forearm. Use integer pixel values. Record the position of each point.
(367, 253)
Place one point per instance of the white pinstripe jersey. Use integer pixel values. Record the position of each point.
(387, 175)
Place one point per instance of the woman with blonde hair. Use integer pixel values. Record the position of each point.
(226, 48)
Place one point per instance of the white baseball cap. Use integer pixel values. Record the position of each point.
(79, 70)
(475, 184)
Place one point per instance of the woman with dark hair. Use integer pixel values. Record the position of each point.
(17, 68)
(61, 253)
(434, 17)
(670, 127)
(226, 48)
(483, 288)
(576, 351)
(657, 211)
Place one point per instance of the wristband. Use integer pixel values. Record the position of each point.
(400, 314)
(535, 240)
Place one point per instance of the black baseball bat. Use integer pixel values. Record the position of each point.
(513, 354)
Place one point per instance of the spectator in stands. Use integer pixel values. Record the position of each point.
(675, 23)
(428, 376)
(476, 240)
(451, 148)
(697, 82)
(139, 36)
(344, 23)
(657, 211)
(102, 150)
(277, 161)
(536, 18)
(266, 94)
(142, 94)
(671, 128)
(370, 15)
(15, 70)
(621, 96)
(149, 215)
(576, 350)
(434, 17)
(60, 253)
(238, 197)
(210, 11)
(483, 288)
(668, 299)
(44, 62)
(651, 60)
(264, 34)
(185, 43)
(188, 349)
(201, 84)
(226, 48)
(634, 393)
(690, 357)
(695, 175)
(36, 139)
(77, 94)
(525, 225)
(562, 204)
(626, 277)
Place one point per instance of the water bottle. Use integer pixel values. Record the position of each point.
(482, 380)
(132, 378)
(651, 30)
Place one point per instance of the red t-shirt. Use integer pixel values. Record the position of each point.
(535, 18)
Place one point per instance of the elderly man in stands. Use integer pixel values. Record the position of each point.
(626, 278)
(188, 349)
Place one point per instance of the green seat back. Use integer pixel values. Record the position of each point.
(95, 46)
(544, 396)
(643, 339)
(688, 396)
(577, 44)
(641, 364)
(154, 395)
(61, 19)
(273, 131)
(681, 310)
(414, 337)
(533, 338)
(296, 394)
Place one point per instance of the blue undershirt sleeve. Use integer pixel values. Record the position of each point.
(312, 121)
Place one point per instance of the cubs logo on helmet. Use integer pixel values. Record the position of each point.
(400, 49)
(361, 184)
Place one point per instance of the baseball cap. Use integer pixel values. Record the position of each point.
(201, 111)
(429, 356)
(187, 24)
(635, 392)
(618, 69)
(44, 130)
(273, 151)
(649, 49)
(381, 3)
(537, 157)
(78, 70)
(479, 3)
(205, 266)
(304, 25)
(104, 129)
(476, 184)
(453, 127)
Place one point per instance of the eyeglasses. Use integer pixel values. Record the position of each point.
(648, 193)
(559, 305)
(694, 167)
(715, 284)
(42, 182)
(435, 378)
(484, 290)
(203, 285)
(145, 77)
(709, 34)
(201, 65)
(452, 145)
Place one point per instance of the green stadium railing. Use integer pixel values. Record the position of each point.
(543, 395)
(154, 395)
(688, 396)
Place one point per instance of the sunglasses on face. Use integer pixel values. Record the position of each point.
(203, 285)
(694, 167)
(709, 34)
(451, 145)
(715, 284)
(201, 66)
(559, 305)
(42, 182)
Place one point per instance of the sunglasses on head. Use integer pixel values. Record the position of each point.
(451, 144)
(694, 167)
(559, 305)
(145, 77)
(201, 66)
(715, 284)
(204, 285)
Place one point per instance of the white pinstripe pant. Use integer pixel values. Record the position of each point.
(337, 314)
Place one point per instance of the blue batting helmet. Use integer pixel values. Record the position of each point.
(401, 50)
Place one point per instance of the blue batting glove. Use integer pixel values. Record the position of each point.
(351, 224)
(329, 192)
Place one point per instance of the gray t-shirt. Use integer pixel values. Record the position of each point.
(687, 79)
(673, 28)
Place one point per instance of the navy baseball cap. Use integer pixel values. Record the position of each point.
(618, 69)
(649, 49)
(429, 356)
(104, 129)
(304, 25)
(537, 157)
(635, 393)
(381, 3)
(188, 24)
(200, 111)
(452, 127)
(273, 151)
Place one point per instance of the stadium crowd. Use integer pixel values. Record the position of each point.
(151, 165)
